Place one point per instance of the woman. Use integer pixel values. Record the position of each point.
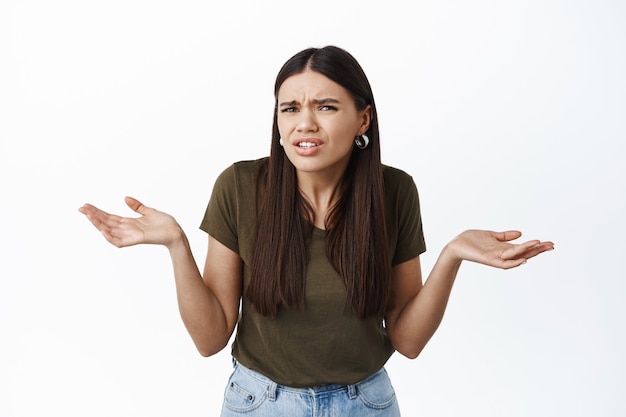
(320, 244)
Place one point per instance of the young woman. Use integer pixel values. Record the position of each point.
(319, 243)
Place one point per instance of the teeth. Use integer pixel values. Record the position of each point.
(306, 144)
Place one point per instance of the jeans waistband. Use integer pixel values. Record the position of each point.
(315, 390)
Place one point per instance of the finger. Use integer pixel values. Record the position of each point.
(519, 251)
(135, 205)
(125, 233)
(99, 218)
(88, 208)
(538, 249)
(512, 263)
(508, 235)
(501, 263)
(115, 241)
(531, 253)
(93, 211)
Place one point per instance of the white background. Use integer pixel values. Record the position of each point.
(508, 114)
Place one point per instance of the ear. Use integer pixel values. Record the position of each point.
(366, 118)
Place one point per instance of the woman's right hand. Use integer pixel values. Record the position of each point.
(153, 227)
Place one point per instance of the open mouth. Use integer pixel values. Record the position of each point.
(306, 145)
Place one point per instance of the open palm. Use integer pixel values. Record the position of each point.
(495, 248)
(153, 227)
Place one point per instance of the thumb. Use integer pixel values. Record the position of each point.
(135, 205)
(508, 235)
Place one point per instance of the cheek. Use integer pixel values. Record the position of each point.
(343, 140)
(283, 128)
(346, 132)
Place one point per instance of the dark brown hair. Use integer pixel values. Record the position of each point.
(356, 236)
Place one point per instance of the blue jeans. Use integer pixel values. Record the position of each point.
(249, 393)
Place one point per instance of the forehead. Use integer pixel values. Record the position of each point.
(311, 84)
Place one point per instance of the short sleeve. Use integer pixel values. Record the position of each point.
(220, 217)
(404, 217)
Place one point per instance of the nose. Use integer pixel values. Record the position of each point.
(306, 121)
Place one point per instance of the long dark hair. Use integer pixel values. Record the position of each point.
(356, 233)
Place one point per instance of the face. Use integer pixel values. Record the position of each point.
(318, 122)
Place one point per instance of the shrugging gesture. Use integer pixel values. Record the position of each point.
(153, 227)
(418, 309)
(494, 248)
(208, 302)
(324, 171)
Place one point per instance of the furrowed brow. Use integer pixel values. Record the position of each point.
(288, 103)
(319, 102)
(326, 101)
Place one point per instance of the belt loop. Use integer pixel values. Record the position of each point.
(271, 391)
(352, 391)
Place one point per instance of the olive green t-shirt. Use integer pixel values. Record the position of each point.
(323, 343)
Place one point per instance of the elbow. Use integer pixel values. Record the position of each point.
(411, 353)
(210, 349)
(205, 353)
(408, 349)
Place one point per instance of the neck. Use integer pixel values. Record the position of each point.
(321, 193)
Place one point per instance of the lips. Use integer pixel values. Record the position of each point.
(307, 143)
(307, 146)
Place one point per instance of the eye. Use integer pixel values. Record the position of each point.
(328, 108)
(288, 110)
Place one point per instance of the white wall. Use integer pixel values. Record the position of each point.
(507, 114)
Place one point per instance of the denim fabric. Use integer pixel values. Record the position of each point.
(249, 393)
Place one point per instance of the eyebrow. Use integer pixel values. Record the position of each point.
(315, 101)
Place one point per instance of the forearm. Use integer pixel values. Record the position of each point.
(200, 309)
(421, 316)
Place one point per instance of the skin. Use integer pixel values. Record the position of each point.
(314, 109)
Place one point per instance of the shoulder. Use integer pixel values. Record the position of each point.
(393, 172)
(253, 165)
(396, 179)
(246, 167)
(242, 172)
(400, 189)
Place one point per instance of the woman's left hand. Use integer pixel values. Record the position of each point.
(494, 248)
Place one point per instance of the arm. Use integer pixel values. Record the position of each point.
(209, 305)
(418, 310)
